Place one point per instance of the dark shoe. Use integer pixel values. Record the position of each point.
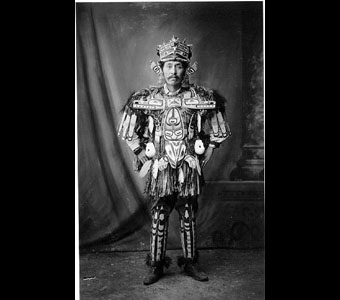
(155, 273)
(192, 270)
(155, 269)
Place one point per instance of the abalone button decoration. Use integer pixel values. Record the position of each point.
(150, 150)
(199, 147)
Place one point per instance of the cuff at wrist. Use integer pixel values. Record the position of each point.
(214, 144)
(137, 150)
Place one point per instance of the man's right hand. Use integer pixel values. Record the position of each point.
(142, 157)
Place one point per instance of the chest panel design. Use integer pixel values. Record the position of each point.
(173, 128)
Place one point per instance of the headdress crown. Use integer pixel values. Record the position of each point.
(174, 50)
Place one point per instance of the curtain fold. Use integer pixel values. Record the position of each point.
(108, 195)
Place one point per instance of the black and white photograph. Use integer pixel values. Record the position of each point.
(170, 150)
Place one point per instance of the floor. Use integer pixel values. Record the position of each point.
(233, 274)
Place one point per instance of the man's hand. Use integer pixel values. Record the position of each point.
(142, 157)
(207, 155)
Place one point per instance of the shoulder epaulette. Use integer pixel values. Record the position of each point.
(141, 93)
(203, 92)
(146, 99)
(198, 98)
(221, 101)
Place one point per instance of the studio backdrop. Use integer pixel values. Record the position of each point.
(114, 45)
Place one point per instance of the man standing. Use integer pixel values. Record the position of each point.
(173, 130)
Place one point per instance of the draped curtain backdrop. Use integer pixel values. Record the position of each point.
(114, 44)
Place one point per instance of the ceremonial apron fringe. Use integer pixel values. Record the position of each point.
(166, 183)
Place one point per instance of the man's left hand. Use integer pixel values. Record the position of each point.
(207, 155)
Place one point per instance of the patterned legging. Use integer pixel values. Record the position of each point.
(160, 222)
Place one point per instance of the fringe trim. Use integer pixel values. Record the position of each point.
(181, 260)
(166, 183)
(166, 262)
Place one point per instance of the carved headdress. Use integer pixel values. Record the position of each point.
(174, 50)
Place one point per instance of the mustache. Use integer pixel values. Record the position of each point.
(173, 76)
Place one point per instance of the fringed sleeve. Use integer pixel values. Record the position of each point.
(218, 126)
(133, 125)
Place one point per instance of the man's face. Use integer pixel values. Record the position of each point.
(173, 72)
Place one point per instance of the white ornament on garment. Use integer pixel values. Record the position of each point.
(150, 150)
(180, 176)
(162, 164)
(155, 168)
(150, 126)
(191, 161)
(144, 170)
(198, 166)
(199, 147)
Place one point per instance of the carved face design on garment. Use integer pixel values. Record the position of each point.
(173, 135)
(173, 125)
(175, 151)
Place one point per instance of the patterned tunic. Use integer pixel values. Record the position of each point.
(174, 129)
